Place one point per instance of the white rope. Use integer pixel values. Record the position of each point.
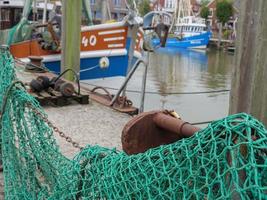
(89, 68)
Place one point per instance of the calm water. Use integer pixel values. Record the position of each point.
(187, 71)
(184, 71)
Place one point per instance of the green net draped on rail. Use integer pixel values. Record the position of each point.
(227, 160)
(20, 32)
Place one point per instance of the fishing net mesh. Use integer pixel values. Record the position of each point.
(227, 160)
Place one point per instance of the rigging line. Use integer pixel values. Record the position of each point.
(167, 93)
(201, 123)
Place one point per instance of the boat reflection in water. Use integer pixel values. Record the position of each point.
(199, 55)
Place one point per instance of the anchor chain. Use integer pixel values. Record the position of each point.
(55, 129)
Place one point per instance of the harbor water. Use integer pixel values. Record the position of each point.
(172, 73)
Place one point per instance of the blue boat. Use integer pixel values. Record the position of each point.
(197, 41)
(105, 51)
(187, 30)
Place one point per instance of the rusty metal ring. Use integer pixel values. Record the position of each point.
(181, 127)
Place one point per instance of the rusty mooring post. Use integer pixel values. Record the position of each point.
(152, 129)
(174, 125)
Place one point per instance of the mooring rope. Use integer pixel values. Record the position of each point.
(162, 93)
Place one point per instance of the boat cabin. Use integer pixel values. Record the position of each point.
(190, 26)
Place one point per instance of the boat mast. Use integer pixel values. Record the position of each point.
(179, 11)
(27, 9)
(106, 15)
(185, 9)
(34, 11)
(87, 11)
(175, 15)
(44, 11)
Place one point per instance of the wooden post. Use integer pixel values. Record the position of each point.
(220, 35)
(71, 36)
(249, 90)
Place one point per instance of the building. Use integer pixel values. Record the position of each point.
(11, 12)
(158, 5)
(117, 9)
(169, 5)
(212, 19)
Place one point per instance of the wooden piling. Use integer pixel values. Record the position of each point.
(249, 91)
(71, 36)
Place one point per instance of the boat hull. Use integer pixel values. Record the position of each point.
(199, 41)
(90, 68)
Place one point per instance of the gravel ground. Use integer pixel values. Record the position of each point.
(92, 124)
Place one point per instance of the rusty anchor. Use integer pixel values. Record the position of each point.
(152, 129)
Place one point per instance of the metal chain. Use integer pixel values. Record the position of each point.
(55, 129)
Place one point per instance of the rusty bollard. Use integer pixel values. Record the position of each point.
(36, 60)
(152, 129)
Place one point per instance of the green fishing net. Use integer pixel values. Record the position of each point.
(226, 160)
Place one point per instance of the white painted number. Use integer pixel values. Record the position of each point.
(85, 41)
(92, 41)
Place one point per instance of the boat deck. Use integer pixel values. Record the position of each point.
(92, 124)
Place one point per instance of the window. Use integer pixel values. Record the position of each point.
(169, 4)
(116, 2)
(92, 2)
(211, 12)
